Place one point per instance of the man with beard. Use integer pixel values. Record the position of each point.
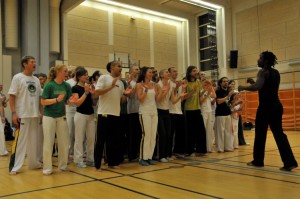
(223, 126)
(269, 112)
(196, 134)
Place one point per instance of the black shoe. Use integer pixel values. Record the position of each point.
(288, 168)
(254, 165)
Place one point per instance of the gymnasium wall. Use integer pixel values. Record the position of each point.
(272, 25)
(94, 34)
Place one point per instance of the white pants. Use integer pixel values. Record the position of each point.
(50, 127)
(235, 126)
(25, 139)
(3, 150)
(149, 130)
(40, 141)
(224, 133)
(208, 123)
(71, 127)
(84, 128)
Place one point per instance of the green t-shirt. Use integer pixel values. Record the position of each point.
(193, 102)
(53, 90)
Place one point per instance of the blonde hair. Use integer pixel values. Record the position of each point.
(53, 71)
(161, 73)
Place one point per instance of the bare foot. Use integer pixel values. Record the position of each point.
(13, 173)
(99, 170)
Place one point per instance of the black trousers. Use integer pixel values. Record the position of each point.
(125, 131)
(196, 134)
(271, 114)
(241, 132)
(108, 133)
(178, 134)
(163, 130)
(134, 137)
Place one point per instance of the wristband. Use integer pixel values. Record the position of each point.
(14, 112)
(1, 115)
(86, 94)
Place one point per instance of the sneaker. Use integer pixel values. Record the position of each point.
(164, 160)
(288, 168)
(47, 173)
(80, 165)
(144, 163)
(151, 162)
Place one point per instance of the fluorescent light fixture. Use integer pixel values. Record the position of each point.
(293, 62)
(248, 69)
(137, 9)
(203, 4)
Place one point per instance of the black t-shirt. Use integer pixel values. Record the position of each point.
(87, 106)
(222, 109)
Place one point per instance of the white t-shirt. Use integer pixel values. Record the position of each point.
(71, 108)
(110, 102)
(27, 90)
(175, 108)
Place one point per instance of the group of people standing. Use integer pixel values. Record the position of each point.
(166, 117)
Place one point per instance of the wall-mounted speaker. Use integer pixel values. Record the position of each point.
(233, 59)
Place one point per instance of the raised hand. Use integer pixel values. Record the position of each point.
(3, 120)
(184, 85)
(60, 97)
(73, 98)
(128, 90)
(87, 88)
(115, 81)
(92, 89)
(178, 84)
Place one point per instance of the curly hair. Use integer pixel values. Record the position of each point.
(270, 58)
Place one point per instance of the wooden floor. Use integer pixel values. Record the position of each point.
(218, 175)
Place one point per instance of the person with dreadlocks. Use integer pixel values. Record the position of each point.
(269, 112)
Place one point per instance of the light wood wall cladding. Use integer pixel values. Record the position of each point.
(88, 37)
(273, 26)
(133, 37)
(165, 45)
